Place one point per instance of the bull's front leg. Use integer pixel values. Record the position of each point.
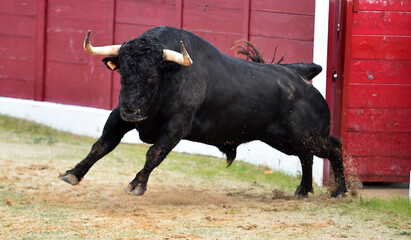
(155, 155)
(113, 132)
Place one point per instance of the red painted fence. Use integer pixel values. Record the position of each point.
(41, 55)
(378, 90)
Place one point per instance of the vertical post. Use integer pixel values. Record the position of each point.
(179, 14)
(112, 31)
(40, 50)
(246, 19)
(355, 5)
(347, 9)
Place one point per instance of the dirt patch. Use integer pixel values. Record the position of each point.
(384, 190)
(383, 193)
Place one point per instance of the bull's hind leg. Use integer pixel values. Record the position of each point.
(113, 132)
(336, 160)
(333, 153)
(306, 184)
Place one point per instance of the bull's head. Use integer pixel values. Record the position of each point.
(138, 62)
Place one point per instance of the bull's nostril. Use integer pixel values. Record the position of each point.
(130, 115)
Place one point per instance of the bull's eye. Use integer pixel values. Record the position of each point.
(152, 80)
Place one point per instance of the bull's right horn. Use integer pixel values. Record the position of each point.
(110, 50)
(181, 58)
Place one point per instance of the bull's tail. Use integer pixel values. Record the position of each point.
(307, 70)
(337, 141)
(250, 51)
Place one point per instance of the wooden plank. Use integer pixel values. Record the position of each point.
(294, 51)
(379, 120)
(382, 23)
(379, 169)
(16, 88)
(78, 85)
(205, 4)
(379, 96)
(380, 47)
(65, 39)
(384, 5)
(12, 69)
(246, 19)
(19, 7)
(111, 29)
(145, 13)
(380, 71)
(72, 76)
(165, 2)
(179, 14)
(15, 25)
(287, 26)
(95, 10)
(40, 50)
(223, 41)
(378, 144)
(285, 6)
(125, 32)
(16, 47)
(63, 29)
(217, 20)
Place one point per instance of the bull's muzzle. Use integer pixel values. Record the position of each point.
(131, 115)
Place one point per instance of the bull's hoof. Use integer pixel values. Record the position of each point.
(340, 191)
(69, 178)
(337, 194)
(303, 191)
(138, 190)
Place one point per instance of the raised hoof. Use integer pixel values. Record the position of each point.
(136, 191)
(69, 178)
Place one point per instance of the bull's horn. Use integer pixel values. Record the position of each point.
(111, 50)
(181, 58)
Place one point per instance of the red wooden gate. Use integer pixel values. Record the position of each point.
(377, 90)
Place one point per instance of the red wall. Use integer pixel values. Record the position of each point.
(378, 90)
(21, 48)
(41, 40)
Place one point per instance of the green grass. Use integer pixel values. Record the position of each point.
(396, 205)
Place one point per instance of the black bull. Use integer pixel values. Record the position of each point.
(218, 100)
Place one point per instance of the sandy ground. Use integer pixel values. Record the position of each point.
(99, 209)
(384, 192)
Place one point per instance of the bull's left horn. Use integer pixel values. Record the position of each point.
(110, 50)
(181, 58)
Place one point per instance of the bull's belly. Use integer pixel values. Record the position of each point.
(224, 134)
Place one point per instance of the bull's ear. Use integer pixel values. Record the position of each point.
(111, 63)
